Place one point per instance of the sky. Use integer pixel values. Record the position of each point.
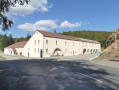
(63, 15)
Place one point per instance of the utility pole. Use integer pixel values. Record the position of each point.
(115, 31)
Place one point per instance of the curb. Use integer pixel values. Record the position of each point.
(94, 57)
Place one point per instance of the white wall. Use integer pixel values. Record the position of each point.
(8, 51)
(69, 48)
(34, 45)
(37, 43)
(20, 51)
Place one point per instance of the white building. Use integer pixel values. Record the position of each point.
(15, 49)
(46, 44)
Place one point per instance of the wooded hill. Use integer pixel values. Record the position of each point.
(100, 36)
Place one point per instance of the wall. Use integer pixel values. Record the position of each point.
(68, 47)
(8, 51)
(34, 45)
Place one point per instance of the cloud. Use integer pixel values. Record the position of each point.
(1, 32)
(41, 25)
(34, 5)
(67, 24)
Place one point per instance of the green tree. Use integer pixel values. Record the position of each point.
(5, 42)
(28, 36)
(10, 40)
(4, 8)
(55, 31)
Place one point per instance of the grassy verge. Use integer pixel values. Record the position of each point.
(2, 58)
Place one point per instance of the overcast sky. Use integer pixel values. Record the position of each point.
(64, 15)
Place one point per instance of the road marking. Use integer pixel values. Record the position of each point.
(83, 75)
(90, 77)
(3, 70)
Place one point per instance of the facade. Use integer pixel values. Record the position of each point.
(15, 49)
(46, 44)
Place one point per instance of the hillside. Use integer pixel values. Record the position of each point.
(110, 52)
(111, 38)
(100, 36)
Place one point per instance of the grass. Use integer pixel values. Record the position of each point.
(2, 58)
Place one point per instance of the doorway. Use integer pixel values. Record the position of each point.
(41, 53)
(28, 54)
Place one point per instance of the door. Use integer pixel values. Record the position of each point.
(28, 54)
(41, 53)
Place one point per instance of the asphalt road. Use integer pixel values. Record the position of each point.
(49, 74)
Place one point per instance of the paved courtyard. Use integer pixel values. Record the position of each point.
(50, 74)
(69, 58)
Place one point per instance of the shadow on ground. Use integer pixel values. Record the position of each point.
(50, 74)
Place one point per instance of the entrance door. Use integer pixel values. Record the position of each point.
(41, 53)
(28, 54)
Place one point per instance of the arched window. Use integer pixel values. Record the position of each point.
(47, 42)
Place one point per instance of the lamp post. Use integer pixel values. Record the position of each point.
(115, 32)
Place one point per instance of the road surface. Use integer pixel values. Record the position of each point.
(50, 74)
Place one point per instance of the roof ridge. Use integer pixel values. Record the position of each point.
(49, 34)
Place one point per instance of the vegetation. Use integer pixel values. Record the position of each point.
(100, 36)
(8, 40)
(2, 58)
(4, 8)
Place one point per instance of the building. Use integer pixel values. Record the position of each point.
(46, 44)
(15, 49)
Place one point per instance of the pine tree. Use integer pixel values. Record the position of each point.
(55, 31)
(10, 39)
(5, 42)
(28, 36)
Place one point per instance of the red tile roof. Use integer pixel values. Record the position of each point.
(17, 45)
(55, 35)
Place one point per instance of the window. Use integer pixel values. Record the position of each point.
(65, 50)
(35, 50)
(38, 41)
(56, 42)
(73, 43)
(65, 43)
(47, 42)
(35, 42)
(47, 50)
(38, 50)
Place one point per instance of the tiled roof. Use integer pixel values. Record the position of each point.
(17, 45)
(55, 35)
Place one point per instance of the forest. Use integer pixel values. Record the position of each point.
(100, 36)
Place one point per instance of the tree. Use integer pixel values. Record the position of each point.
(10, 39)
(5, 41)
(55, 31)
(28, 37)
(4, 8)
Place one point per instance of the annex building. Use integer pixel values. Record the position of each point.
(46, 44)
